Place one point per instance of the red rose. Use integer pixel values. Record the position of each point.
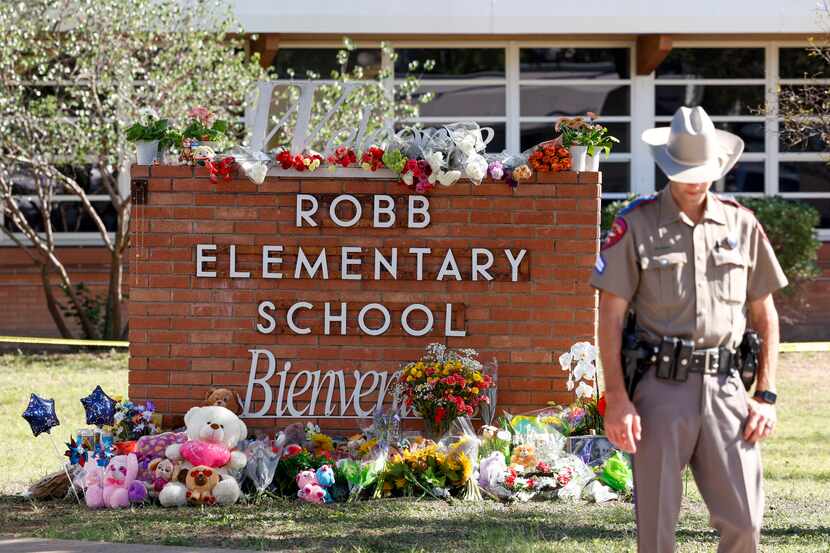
(291, 450)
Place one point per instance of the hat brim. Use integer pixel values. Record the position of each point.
(733, 147)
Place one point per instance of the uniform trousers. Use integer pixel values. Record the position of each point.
(698, 423)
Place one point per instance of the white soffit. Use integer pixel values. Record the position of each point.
(519, 17)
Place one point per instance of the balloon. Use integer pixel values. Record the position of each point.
(40, 414)
(99, 407)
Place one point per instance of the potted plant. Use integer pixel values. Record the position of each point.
(598, 141)
(204, 129)
(147, 133)
(585, 141)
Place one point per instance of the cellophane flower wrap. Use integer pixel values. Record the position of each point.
(445, 384)
(133, 420)
(534, 429)
(461, 447)
(360, 475)
(417, 470)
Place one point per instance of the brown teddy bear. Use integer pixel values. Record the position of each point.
(200, 482)
(524, 456)
(224, 398)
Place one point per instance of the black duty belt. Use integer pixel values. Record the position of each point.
(707, 361)
(712, 361)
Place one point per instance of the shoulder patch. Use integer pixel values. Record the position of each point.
(618, 230)
(642, 200)
(599, 267)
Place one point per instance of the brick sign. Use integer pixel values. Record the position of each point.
(305, 295)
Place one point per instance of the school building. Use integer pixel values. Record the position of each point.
(516, 67)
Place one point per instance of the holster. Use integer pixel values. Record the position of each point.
(634, 355)
(749, 353)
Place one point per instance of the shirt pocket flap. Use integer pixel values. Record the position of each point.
(663, 260)
(728, 257)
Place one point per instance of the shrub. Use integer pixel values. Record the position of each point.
(790, 226)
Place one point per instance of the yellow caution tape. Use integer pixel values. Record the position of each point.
(792, 347)
(64, 342)
(789, 347)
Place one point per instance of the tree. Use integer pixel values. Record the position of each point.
(74, 75)
(804, 110)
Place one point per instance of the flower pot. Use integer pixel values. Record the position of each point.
(146, 151)
(578, 157)
(593, 162)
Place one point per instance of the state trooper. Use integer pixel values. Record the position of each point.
(691, 266)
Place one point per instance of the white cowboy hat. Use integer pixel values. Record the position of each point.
(692, 150)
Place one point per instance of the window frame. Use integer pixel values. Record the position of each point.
(641, 109)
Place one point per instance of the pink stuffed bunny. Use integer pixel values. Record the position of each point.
(309, 489)
(114, 486)
(312, 493)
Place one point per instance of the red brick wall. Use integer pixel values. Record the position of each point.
(21, 291)
(189, 334)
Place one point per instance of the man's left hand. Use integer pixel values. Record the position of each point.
(761, 421)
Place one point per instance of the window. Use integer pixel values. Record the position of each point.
(318, 63)
(556, 82)
(730, 84)
(466, 84)
(803, 173)
(69, 219)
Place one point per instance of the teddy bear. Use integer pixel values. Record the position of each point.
(224, 398)
(309, 489)
(200, 482)
(212, 434)
(161, 472)
(524, 457)
(114, 486)
(325, 479)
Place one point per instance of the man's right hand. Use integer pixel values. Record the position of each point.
(622, 423)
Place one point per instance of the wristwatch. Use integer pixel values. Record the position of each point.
(766, 396)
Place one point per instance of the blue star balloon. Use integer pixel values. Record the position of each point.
(40, 414)
(99, 407)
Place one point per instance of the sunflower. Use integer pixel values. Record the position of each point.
(320, 442)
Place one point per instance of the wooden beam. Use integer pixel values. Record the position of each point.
(651, 51)
(266, 45)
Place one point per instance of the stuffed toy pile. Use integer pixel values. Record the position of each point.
(207, 461)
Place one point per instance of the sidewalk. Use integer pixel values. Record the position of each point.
(35, 545)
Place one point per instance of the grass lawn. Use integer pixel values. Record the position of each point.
(796, 465)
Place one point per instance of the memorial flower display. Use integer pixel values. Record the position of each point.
(443, 385)
(526, 458)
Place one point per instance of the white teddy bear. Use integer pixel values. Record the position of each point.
(212, 433)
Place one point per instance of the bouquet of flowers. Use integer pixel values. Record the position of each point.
(132, 421)
(550, 157)
(443, 385)
(419, 469)
(462, 453)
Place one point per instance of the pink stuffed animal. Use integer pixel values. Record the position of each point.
(309, 489)
(114, 486)
(312, 493)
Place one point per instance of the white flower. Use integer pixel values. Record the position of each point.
(585, 370)
(565, 361)
(584, 351)
(584, 390)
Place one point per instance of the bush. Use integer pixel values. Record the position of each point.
(789, 224)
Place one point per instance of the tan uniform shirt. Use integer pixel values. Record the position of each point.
(686, 280)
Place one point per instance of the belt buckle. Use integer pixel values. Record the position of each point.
(711, 366)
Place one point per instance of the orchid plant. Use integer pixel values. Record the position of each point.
(580, 362)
